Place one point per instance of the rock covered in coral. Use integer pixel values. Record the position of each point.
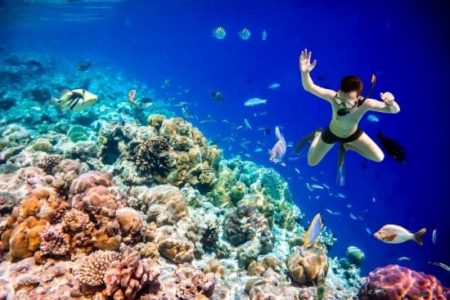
(126, 278)
(48, 163)
(271, 286)
(163, 204)
(89, 180)
(93, 267)
(153, 157)
(396, 283)
(308, 266)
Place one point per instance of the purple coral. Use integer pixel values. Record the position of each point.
(54, 242)
(127, 278)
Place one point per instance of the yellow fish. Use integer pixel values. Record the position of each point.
(313, 231)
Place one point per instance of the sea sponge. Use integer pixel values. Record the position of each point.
(92, 268)
(395, 283)
(308, 266)
(163, 204)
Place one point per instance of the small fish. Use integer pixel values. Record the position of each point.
(372, 118)
(244, 34)
(218, 96)
(434, 236)
(219, 33)
(185, 113)
(441, 265)
(369, 232)
(308, 186)
(349, 205)
(326, 186)
(83, 65)
(297, 170)
(395, 234)
(336, 213)
(255, 101)
(340, 195)
(264, 130)
(313, 231)
(392, 148)
(353, 217)
(132, 97)
(247, 124)
(274, 86)
(76, 100)
(279, 149)
(258, 150)
(403, 258)
(317, 186)
(263, 35)
(373, 199)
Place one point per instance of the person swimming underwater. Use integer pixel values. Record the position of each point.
(348, 108)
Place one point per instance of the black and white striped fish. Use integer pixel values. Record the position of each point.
(76, 100)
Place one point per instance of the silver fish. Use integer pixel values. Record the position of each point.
(255, 101)
(279, 149)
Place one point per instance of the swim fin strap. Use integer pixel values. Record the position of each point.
(307, 139)
(340, 177)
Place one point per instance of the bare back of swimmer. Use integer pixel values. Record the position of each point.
(348, 108)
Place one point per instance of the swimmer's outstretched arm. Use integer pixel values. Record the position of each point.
(306, 67)
(388, 105)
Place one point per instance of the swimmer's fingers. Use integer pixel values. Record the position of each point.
(309, 54)
(313, 65)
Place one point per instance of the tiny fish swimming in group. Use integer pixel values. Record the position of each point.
(441, 265)
(395, 234)
(434, 236)
(372, 118)
(393, 148)
(244, 34)
(255, 101)
(247, 124)
(264, 35)
(279, 149)
(313, 232)
(274, 86)
(219, 33)
(76, 100)
(264, 130)
(218, 96)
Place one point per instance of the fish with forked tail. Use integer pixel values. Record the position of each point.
(279, 149)
(395, 234)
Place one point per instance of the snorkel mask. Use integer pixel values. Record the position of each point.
(350, 107)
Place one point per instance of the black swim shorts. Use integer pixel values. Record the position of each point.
(330, 138)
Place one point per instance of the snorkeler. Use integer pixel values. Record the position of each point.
(348, 108)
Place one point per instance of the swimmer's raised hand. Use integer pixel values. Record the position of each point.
(304, 61)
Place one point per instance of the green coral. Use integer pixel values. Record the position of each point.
(77, 133)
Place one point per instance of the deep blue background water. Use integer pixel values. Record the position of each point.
(402, 42)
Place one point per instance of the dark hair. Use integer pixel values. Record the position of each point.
(351, 83)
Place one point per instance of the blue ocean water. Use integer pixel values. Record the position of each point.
(403, 43)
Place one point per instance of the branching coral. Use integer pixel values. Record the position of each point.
(54, 242)
(92, 268)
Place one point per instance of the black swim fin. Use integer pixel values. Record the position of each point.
(307, 139)
(340, 178)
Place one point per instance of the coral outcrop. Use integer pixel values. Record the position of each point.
(308, 266)
(396, 283)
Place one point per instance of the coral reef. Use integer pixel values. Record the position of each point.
(92, 268)
(308, 266)
(355, 255)
(396, 282)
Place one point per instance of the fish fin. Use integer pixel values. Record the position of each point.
(278, 133)
(63, 92)
(340, 178)
(418, 236)
(307, 139)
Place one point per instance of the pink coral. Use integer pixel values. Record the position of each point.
(395, 283)
(96, 200)
(126, 278)
(90, 179)
(54, 241)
